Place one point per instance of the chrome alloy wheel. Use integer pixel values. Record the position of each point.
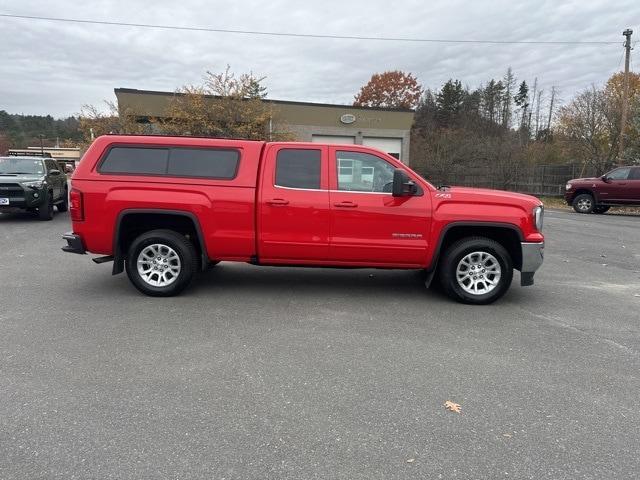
(478, 273)
(584, 204)
(158, 265)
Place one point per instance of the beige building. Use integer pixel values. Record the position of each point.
(385, 128)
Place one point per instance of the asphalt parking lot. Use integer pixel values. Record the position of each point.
(268, 373)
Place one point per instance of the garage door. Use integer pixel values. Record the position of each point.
(393, 146)
(333, 139)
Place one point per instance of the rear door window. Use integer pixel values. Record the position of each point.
(298, 168)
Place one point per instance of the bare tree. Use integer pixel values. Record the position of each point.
(587, 129)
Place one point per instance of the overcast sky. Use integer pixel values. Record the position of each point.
(55, 68)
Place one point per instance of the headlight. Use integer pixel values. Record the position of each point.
(568, 186)
(538, 217)
(37, 184)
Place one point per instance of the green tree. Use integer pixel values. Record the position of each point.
(450, 101)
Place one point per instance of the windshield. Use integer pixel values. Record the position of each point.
(27, 166)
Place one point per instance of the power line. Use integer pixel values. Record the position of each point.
(304, 35)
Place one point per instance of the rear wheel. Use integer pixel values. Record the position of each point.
(583, 203)
(161, 263)
(476, 270)
(601, 209)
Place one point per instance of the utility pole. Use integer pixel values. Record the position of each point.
(625, 95)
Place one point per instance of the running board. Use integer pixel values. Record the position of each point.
(103, 259)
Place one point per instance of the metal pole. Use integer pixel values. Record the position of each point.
(625, 96)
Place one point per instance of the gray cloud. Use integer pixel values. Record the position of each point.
(56, 68)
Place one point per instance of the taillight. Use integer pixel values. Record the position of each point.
(75, 205)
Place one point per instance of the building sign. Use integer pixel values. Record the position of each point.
(348, 118)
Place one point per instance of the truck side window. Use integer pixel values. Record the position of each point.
(298, 168)
(362, 172)
(51, 165)
(619, 174)
(136, 160)
(204, 162)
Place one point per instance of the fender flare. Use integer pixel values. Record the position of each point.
(443, 233)
(118, 254)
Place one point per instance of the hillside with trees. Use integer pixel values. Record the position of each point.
(21, 131)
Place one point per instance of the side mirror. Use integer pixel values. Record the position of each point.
(54, 172)
(402, 184)
(605, 179)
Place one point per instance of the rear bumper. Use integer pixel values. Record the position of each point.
(532, 258)
(74, 244)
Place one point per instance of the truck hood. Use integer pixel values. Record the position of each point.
(486, 195)
(19, 178)
(587, 179)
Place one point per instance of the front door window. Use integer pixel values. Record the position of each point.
(362, 172)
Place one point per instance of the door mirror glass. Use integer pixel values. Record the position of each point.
(403, 186)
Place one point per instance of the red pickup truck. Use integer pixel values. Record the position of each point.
(164, 208)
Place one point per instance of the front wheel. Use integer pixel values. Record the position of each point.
(64, 205)
(45, 212)
(161, 263)
(476, 271)
(583, 203)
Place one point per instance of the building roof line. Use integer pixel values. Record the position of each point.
(268, 100)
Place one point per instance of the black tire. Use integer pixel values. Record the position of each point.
(64, 205)
(447, 270)
(45, 212)
(601, 209)
(584, 203)
(185, 251)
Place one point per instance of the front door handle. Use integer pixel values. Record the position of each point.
(278, 202)
(345, 205)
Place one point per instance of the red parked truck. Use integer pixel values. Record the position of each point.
(163, 208)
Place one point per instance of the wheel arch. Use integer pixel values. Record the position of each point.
(131, 223)
(582, 190)
(506, 234)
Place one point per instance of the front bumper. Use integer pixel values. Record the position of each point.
(74, 244)
(568, 196)
(21, 197)
(532, 258)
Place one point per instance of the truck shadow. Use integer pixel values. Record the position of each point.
(245, 279)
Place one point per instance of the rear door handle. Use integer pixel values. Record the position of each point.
(345, 205)
(278, 201)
